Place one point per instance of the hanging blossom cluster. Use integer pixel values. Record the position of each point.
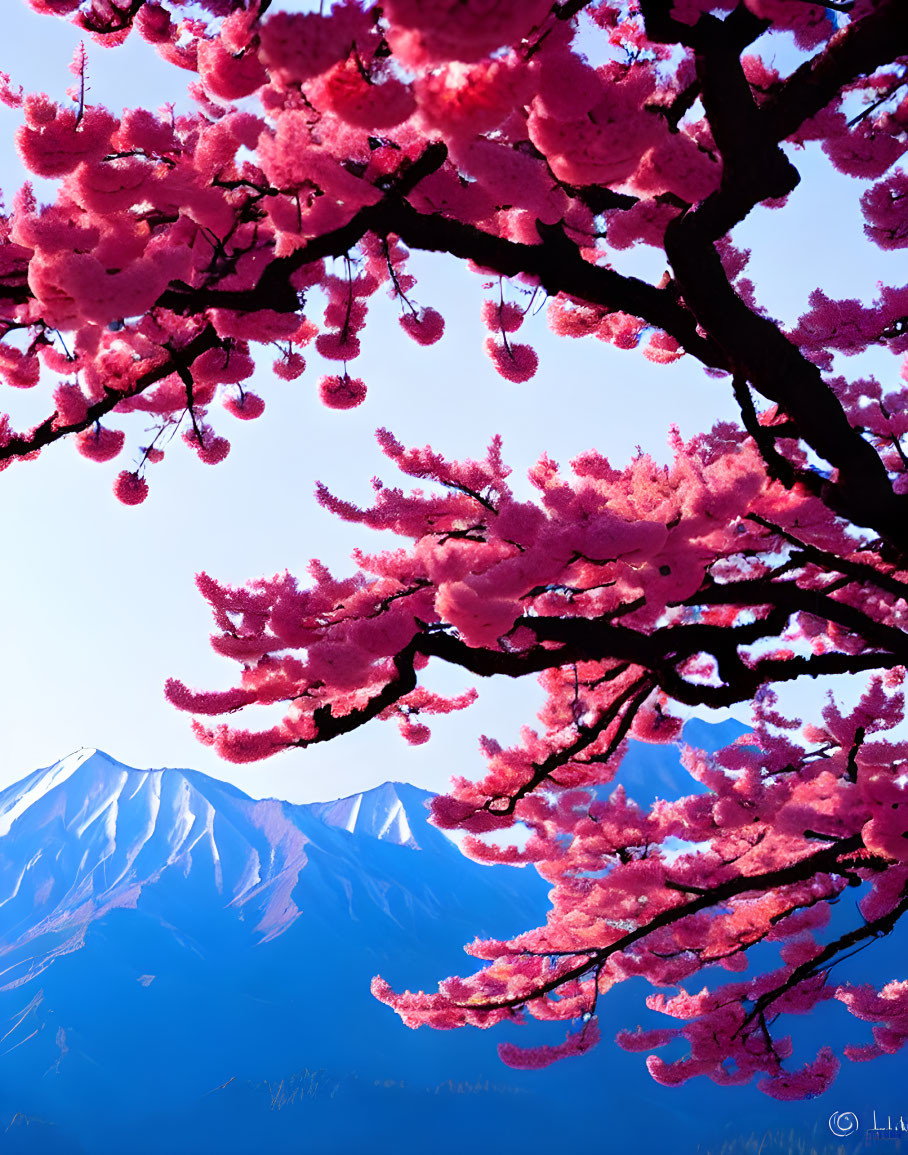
(536, 141)
(328, 144)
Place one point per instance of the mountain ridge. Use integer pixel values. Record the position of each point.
(164, 935)
(89, 834)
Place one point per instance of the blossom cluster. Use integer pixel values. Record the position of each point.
(177, 243)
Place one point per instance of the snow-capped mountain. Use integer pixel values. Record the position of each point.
(131, 899)
(186, 969)
(89, 835)
(380, 813)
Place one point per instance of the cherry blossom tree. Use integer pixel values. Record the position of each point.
(536, 141)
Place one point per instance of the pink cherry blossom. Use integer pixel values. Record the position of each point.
(425, 31)
(99, 443)
(247, 406)
(130, 488)
(341, 392)
(513, 361)
(425, 327)
(290, 367)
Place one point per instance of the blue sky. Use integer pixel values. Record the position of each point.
(100, 604)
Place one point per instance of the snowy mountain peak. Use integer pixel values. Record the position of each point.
(388, 812)
(16, 799)
(89, 834)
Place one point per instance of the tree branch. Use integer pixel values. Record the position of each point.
(856, 50)
(21, 445)
(824, 861)
(827, 956)
(556, 261)
(859, 571)
(762, 355)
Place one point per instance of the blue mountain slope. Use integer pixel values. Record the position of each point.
(185, 970)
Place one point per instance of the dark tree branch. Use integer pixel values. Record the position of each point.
(791, 598)
(754, 168)
(860, 572)
(778, 467)
(556, 261)
(664, 651)
(624, 706)
(21, 445)
(821, 963)
(747, 679)
(825, 861)
(856, 50)
(329, 725)
(561, 269)
(740, 29)
(762, 355)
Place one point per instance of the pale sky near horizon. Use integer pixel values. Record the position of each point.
(100, 605)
